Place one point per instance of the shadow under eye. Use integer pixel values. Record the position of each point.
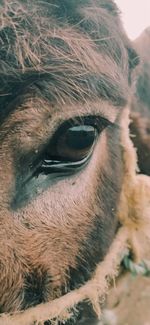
(46, 175)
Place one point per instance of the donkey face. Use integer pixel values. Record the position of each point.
(63, 87)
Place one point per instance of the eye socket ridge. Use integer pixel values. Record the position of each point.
(72, 145)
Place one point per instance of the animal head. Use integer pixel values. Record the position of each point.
(64, 85)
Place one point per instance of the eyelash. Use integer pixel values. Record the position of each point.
(93, 120)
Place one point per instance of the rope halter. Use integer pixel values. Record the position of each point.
(133, 236)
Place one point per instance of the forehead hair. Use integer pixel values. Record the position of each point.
(72, 48)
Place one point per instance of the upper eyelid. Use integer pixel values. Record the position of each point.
(77, 120)
(95, 120)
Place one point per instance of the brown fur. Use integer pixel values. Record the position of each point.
(59, 61)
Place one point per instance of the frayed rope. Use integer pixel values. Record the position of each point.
(93, 291)
(134, 217)
(142, 268)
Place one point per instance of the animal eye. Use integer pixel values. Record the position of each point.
(71, 149)
(71, 146)
(74, 144)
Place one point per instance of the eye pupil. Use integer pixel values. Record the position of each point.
(71, 147)
(80, 137)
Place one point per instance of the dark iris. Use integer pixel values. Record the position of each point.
(69, 150)
(71, 146)
(74, 145)
(80, 137)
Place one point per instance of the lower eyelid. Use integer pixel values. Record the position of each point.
(56, 166)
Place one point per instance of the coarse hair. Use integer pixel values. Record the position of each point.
(67, 45)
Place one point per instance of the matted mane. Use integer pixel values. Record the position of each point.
(68, 43)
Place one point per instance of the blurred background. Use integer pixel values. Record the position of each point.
(129, 301)
(135, 16)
